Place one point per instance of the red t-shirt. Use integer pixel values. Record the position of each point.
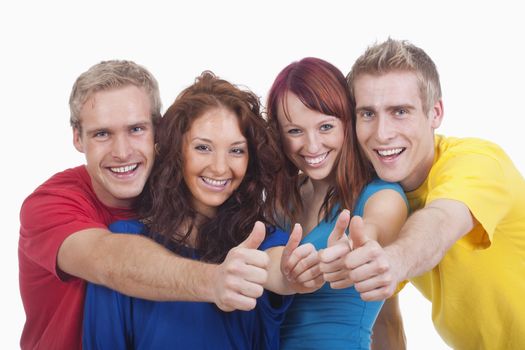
(54, 301)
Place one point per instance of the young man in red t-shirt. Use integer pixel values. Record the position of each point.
(64, 239)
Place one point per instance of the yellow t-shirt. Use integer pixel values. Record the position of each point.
(478, 289)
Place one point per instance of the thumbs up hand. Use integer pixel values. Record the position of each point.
(368, 265)
(300, 264)
(332, 258)
(362, 262)
(239, 280)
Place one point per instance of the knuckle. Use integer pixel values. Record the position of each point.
(382, 266)
(258, 291)
(375, 251)
(232, 269)
(353, 276)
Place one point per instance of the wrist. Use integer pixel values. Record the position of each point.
(206, 282)
(398, 265)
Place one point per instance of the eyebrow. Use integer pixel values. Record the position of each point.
(389, 108)
(110, 128)
(327, 119)
(402, 106)
(364, 108)
(202, 139)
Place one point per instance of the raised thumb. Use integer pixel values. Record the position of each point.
(357, 232)
(339, 229)
(254, 240)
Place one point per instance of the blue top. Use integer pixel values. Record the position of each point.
(115, 321)
(333, 318)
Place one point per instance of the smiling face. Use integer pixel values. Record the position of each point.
(215, 158)
(116, 137)
(394, 130)
(312, 140)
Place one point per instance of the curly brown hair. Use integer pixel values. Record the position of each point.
(166, 204)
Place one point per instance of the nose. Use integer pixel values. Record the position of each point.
(220, 163)
(384, 129)
(122, 148)
(313, 143)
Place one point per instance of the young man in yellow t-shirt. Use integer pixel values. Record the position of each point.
(463, 246)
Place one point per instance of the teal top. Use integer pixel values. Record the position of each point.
(333, 318)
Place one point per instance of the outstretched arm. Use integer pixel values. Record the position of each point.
(422, 242)
(427, 235)
(137, 266)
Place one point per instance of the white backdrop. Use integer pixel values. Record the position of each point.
(45, 45)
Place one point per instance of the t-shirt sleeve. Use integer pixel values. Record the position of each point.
(272, 308)
(47, 219)
(478, 181)
(107, 320)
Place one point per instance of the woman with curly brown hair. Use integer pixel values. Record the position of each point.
(207, 199)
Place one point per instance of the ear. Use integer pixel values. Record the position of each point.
(77, 140)
(436, 114)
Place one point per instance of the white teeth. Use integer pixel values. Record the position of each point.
(389, 152)
(214, 182)
(316, 160)
(124, 169)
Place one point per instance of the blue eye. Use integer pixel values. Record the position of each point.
(367, 114)
(401, 112)
(101, 134)
(137, 129)
(326, 127)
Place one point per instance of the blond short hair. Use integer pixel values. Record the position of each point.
(110, 75)
(399, 55)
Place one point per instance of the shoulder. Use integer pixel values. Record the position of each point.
(74, 180)
(469, 158)
(448, 148)
(376, 188)
(377, 185)
(71, 188)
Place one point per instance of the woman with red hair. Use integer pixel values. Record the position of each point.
(326, 176)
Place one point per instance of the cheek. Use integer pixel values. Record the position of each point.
(339, 136)
(240, 168)
(290, 145)
(362, 134)
(189, 170)
(95, 153)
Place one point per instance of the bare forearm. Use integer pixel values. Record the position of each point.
(144, 269)
(137, 266)
(417, 249)
(427, 235)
